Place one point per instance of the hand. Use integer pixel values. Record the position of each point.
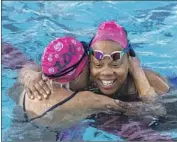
(140, 108)
(132, 108)
(86, 103)
(110, 104)
(134, 65)
(36, 86)
(103, 103)
(145, 90)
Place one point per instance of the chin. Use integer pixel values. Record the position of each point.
(108, 93)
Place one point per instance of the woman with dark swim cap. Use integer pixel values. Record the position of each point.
(65, 64)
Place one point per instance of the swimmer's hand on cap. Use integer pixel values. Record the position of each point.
(134, 64)
(36, 85)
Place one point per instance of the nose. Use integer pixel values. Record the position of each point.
(107, 71)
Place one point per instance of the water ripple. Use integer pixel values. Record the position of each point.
(29, 26)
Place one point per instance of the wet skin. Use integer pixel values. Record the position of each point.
(108, 75)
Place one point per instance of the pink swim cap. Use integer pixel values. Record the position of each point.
(62, 54)
(111, 31)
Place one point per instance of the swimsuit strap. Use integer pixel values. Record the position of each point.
(48, 110)
(24, 108)
(24, 111)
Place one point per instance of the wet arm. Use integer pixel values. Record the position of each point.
(159, 83)
(146, 92)
(151, 101)
(71, 112)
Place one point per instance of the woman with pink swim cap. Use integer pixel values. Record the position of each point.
(117, 72)
(65, 72)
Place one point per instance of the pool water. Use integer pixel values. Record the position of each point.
(29, 26)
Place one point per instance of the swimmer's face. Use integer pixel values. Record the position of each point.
(108, 75)
(81, 81)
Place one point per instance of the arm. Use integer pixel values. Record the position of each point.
(148, 84)
(36, 85)
(71, 112)
(23, 79)
(151, 102)
(159, 83)
(143, 109)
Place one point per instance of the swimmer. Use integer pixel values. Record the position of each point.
(116, 70)
(65, 65)
(117, 73)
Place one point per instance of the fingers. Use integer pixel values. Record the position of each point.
(130, 65)
(28, 92)
(134, 61)
(132, 108)
(110, 104)
(40, 91)
(44, 77)
(134, 65)
(122, 104)
(116, 106)
(37, 95)
(32, 91)
(49, 85)
(36, 86)
(45, 87)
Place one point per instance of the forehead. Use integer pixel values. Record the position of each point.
(107, 46)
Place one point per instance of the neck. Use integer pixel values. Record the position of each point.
(123, 89)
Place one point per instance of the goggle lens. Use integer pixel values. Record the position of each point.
(116, 55)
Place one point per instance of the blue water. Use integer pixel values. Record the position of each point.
(29, 26)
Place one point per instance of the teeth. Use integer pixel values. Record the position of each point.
(107, 83)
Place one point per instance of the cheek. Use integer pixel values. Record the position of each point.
(93, 70)
(122, 72)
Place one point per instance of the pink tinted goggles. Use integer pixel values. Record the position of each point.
(115, 55)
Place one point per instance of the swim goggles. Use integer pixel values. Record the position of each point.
(115, 55)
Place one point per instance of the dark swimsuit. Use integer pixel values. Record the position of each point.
(48, 110)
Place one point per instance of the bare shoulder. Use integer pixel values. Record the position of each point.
(57, 113)
(37, 107)
(159, 83)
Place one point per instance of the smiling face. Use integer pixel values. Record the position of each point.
(108, 75)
